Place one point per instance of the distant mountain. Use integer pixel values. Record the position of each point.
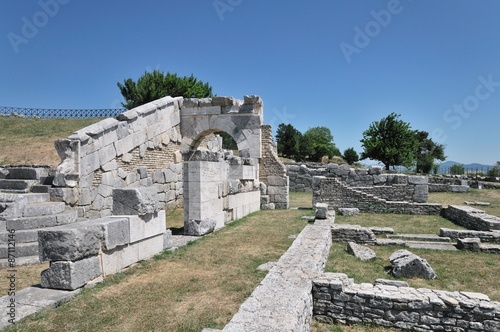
(474, 167)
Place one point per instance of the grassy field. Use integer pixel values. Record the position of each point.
(200, 285)
(475, 195)
(31, 141)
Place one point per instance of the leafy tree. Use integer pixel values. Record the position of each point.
(155, 85)
(495, 171)
(391, 141)
(427, 152)
(318, 142)
(457, 169)
(351, 156)
(228, 142)
(288, 140)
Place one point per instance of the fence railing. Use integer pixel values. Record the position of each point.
(60, 113)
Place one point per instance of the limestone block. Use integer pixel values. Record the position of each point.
(90, 163)
(110, 166)
(199, 227)
(408, 265)
(168, 239)
(115, 260)
(135, 201)
(170, 176)
(87, 196)
(3, 173)
(146, 226)
(264, 199)
(415, 179)
(321, 210)
(277, 180)
(115, 231)
(362, 252)
(263, 188)
(68, 195)
(204, 102)
(125, 145)
(68, 170)
(106, 154)
(375, 170)
(69, 242)
(70, 275)
(470, 244)
(269, 206)
(348, 211)
(150, 246)
(210, 110)
(459, 189)
(243, 172)
(421, 193)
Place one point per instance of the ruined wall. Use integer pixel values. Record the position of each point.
(273, 173)
(392, 187)
(138, 149)
(338, 298)
(472, 218)
(338, 195)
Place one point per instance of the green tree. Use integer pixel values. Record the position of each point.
(495, 171)
(318, 142)
(288, 140)
(155, 85)
(391, 141)
(351, 156)
(228, 142)
(427, 152)
(457, 169)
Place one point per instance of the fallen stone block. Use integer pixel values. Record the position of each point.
(348, 212)
(199, 227)
(469, 244)
(70, 275)
(406, 264)
(362, 252)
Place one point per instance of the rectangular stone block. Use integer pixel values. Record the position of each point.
(115, 230)
(135, 201)
(277, 181)
(242, 172)
(147, 226)
(113, 261)
(69, 242)
(70, 275)
(201, 110)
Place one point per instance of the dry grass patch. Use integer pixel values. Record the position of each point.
(475, 195)
(200, 285)
(31, 141)
(26, 275)
(300, 200)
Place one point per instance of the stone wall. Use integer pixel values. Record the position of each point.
(338, 195)
(471, 218)
(283, 300)
(484, 236)
(86, 250)
(273, 173)
(338, 299)
(138, 149)
(391, 187)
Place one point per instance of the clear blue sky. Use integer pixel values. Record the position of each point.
(336, 63)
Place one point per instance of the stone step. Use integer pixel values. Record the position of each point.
(66, 217)
(490, 248)
(431, 245)
(390, 242)
(44, 209)
(29, 235)
(40, 188)
(419, 237)
(20, 250)
(21, 261)
(23, 173)
(17, 186)
(3, 225)
(33, 198)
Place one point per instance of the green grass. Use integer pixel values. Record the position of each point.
(475, 195)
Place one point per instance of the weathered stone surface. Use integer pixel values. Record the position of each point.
(135, 201)
(469, 244)
(362, 252)
(3, 173)
(70, 275)
(199, 227)
(349, 211)
(68, 170)
(321, 210)
(387, 282)
(69, 242)
(459, 189)
(408, 265)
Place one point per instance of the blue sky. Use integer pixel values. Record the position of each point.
(337, 63)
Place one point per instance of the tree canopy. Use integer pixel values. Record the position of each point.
(155, 85)
(390, 141)
(351, 156)
(427, 152)
(318, 142)
(288, 140)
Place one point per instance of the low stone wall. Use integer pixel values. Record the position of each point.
(471, 218)
(338, 299)
(391, 187)
(352, 233)
(283, 300)
(338, 195)
(83, 251)
(485, 236)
